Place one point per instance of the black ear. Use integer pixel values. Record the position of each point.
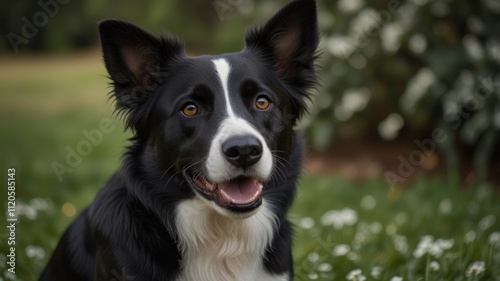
(290, 38)
(289, 41)
(135, 60)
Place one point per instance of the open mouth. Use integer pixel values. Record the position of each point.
(241, 194)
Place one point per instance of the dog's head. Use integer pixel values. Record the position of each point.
(222, 124)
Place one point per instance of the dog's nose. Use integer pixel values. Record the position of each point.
(242, 151)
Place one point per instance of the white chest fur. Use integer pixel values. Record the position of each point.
(219, 248)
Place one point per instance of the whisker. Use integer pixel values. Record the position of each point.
(181, 170)
(275, 152)
(167, 171)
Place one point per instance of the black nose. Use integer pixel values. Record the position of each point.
(242, 151)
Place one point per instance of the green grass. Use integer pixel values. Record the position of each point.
(45, 104)
(383, 227)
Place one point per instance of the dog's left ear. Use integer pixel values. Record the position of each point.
(289, 41)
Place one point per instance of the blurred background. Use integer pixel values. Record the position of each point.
(409, 99)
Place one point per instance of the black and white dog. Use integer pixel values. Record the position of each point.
(206, 184)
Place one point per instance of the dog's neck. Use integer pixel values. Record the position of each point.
(215, 247)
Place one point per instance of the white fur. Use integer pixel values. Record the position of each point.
(219, 248)
(217, 167)
(223, 69)
(220, 170)
(216, 244)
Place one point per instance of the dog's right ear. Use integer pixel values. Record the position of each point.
(135, 60)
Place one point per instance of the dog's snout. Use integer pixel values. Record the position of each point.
(242, 151)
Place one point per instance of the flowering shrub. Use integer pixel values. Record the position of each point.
(404, 67)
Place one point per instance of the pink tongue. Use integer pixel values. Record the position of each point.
(241, 190)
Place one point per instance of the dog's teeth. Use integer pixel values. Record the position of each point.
(226, 196)
(209, 185)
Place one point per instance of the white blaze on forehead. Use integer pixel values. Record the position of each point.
(223, 69)
(217, 167)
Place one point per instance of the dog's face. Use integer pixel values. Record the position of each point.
(219, 125)
(221, 130)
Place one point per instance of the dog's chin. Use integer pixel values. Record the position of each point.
(239, 197)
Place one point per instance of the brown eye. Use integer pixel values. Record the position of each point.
(190, 109)
(262, 103)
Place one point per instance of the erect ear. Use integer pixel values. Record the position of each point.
(134, 59)
(289, 40)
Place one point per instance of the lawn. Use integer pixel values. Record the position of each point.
(430, 230)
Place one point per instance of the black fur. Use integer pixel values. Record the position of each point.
(129, 232)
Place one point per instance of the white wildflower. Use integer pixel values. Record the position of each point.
(339, 218)
(27, 210)
(353, 256)
(475, 269)
(445, 244)
(423, 246)
(307, 223)
(312, 276)
(400, 243)
(359, 239)
(494, 239)
(356, 275)
(349, 216)
(435, 250)
(9, 275)
(368, 202)
(470, 236)
(313, 257)
(427, 245)
(434, 266)
(487, 222)
(376, 271)
(325, 267)
(34, 252)
(341, 250)
(397, 278)
(445, 207)
(391, 229)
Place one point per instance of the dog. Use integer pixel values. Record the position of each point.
(210, 174)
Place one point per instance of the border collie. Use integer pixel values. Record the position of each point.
(210, 174)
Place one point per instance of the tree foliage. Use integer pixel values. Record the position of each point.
(406, 68)
(389, 68)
